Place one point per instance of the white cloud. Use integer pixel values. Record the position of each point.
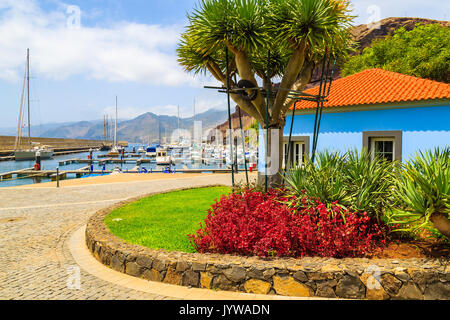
(122, 52)
(205, 103)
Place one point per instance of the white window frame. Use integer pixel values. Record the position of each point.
(377, 139)
(299, 154)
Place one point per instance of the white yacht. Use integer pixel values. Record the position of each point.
(196, 156)
(150, 152)
(30, 154)
(114, 152)
(141, 150)
(162, 158)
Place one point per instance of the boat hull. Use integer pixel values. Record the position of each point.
(22, 155)
(165, 160)
(113, 154)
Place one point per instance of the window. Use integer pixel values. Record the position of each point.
(284, 154)
(385, 144)
(298, 150)
(383, 148)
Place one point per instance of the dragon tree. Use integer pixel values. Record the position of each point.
(268, 42)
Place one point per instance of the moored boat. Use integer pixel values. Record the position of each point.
(151, 152)
(162, 158)
(141, 150)
(114, 152)
(30, 152)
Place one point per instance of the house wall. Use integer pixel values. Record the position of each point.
(422, 128)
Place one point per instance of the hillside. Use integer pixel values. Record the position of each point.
(364, 36)
(246, 121)
(140, 130)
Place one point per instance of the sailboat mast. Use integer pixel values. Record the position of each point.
(178, 124)
(115, 127)
(28, 95)
(193, 127)
(104, 129)
(159, 129)
(18, 142)
(108, 135)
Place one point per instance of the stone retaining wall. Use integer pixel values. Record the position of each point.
(321, 277)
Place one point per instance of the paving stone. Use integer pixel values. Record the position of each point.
(34, 249)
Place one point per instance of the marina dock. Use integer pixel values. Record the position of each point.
(8, 155)
(17, 173)
(63, 174)
(107, 160)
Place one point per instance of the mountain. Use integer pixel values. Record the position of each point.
(36, 129)
(144, 128)
(246, 120)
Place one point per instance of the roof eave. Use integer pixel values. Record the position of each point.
(378, 106)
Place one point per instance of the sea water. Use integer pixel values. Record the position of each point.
(53, 163)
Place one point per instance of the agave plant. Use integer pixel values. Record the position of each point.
(424, 188)
(369, 182)
(354, 180)
(323, 179)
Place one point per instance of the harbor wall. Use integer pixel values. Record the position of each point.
(7, 143)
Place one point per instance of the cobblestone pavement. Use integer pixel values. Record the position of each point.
(35, 228)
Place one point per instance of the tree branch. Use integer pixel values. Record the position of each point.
(301, 83)
(245, 105)
(291, 73)
(245, 71)
(213, 71)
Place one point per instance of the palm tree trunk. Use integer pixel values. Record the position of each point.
(275, 157)
(442, 223)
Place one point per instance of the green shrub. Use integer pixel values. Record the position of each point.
(424, 189)
(323, 180)
(353, 179)
(423, 52)
(370, 182)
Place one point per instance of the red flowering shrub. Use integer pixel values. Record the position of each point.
(335, 232)
(265, 224)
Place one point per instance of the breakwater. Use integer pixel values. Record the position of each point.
(60, 146)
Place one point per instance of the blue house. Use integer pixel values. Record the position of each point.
(392, 114)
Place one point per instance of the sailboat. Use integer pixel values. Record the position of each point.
(30, 152)
(114, 152)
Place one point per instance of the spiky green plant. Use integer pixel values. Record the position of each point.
(354, 179)
(323, 179)
(424, 189)
(369, 182)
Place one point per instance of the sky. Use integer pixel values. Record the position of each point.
(85, 52)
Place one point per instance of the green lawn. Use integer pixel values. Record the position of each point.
(163, 221)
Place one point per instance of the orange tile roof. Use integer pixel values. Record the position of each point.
(377, 86)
